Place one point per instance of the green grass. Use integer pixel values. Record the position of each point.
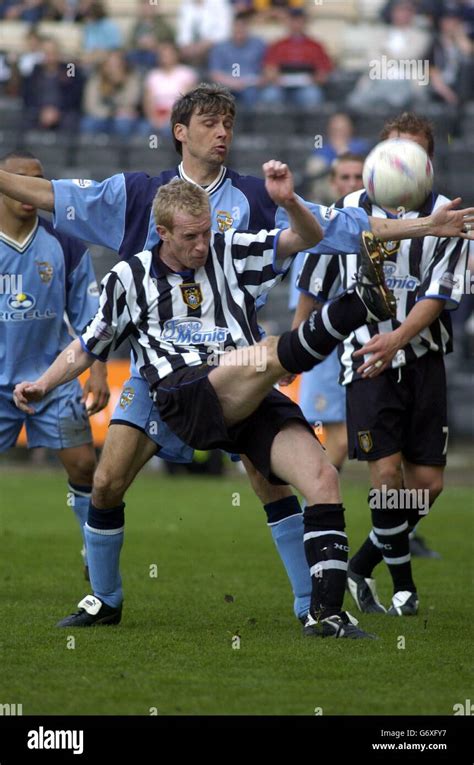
(173, 650)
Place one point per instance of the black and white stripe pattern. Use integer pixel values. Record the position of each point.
(142, 300)
(419, 268)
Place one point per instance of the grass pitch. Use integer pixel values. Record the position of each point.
(218, 578)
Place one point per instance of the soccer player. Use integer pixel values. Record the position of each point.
(396, 386)
(321, 398)
(117, 213)
(210, 381)
(48, 275)
(229, 405)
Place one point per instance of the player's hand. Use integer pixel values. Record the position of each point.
(97, 387)
(279, 182)
(28, 391)
(382, 349)
(447, 221)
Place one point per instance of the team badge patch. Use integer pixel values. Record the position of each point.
(365, 441)
(224, 220)
(192, 295)
(126, 397)
(391, 248)
(45, 270)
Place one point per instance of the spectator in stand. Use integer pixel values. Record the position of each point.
(433, 9)
(112, 98)
(32, 53)
(450, 58)
(150, 29)
(101, 35)
(52, 93)
(296, 66)
(267, 9)
(238, 62)
(69, 10)
(338, 140)
(398, 73)
(466, 9)
(200, 25)
(164, 85)
(23, 10)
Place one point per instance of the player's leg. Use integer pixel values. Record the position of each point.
(336, 443)
(285, 520)
(62, 424)
(427, 479)
(79, 463)
(376, 423)
(326, 544)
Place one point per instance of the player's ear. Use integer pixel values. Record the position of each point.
(162, 232)
(180, 131)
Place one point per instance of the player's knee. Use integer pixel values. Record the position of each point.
(328, 476)
(435, 487)
(82, 473)
(388, 474)
(108, 487)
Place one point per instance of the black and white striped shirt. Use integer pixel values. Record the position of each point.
(415, 270)
(177, 319)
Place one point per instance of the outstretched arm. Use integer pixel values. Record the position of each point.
(66, 367)
(446, 221)
(32, 191)
(304, 230)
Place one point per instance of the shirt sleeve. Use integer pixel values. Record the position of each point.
(82, 293)
(255, 259)
(112, 323)
(320, 277)
(92, 211)
(445, 273)
(342, 228)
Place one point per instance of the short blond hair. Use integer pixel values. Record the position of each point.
(178, 196)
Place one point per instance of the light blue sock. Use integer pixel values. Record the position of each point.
(286, 524)
(104, 532)
(81, 497)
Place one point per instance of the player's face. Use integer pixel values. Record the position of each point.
(20, 166)
(347, 178)
(188, 242)
(207, 137)
(418, 138)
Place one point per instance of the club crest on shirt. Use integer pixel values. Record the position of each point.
(391, 248)
(224, 220)
(192, 295)
(45, 270)
(365, 441)
(126, 397)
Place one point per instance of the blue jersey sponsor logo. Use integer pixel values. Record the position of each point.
(191, 332)
(22, 307)
(397, 281)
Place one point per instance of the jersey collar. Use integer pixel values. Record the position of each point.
(216, 183)
(20, 246)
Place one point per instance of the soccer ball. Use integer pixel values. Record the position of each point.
(398, 173)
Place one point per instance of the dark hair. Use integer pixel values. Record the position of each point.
(348, 156)
(17, 154)
(412, 123)
(203, 99)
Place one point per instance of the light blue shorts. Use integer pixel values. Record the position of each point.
(136, 409)
(322, 399)
(60, 420)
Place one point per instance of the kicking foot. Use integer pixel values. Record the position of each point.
(364, 592)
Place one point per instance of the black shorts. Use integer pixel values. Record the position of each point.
(189, 405)
(402, 410)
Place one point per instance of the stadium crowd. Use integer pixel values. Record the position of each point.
(270, 55)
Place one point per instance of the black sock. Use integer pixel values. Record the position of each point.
(316, 338)
(390, 533)
(368, 555)
(326, 549)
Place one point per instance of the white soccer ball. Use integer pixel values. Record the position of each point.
(398, 173)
